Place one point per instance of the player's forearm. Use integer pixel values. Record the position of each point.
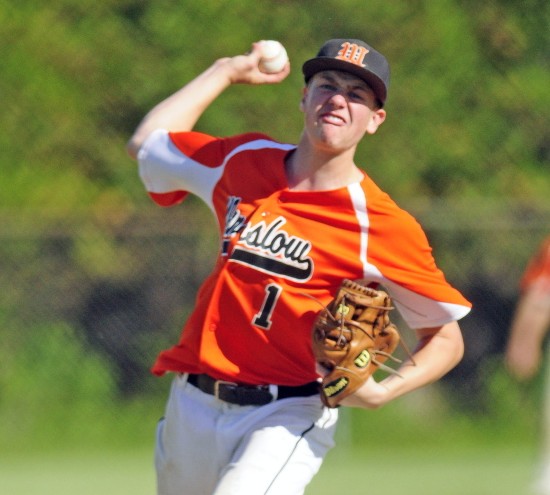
(530, 324)
(438, 352)
(182, 110)
(532, 317)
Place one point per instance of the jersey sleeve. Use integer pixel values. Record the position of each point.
(537, 272)
(401, 253)
(169, 166)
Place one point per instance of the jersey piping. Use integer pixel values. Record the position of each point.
(273, 241)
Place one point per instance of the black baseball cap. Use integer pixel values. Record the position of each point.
(356, 57)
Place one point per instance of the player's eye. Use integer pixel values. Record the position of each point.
(357, 95)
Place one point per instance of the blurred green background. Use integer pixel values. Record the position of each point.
(95, 279)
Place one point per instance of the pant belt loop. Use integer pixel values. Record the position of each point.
(274, 391)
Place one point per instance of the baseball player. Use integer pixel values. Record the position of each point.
(244, 414)
(524, 353)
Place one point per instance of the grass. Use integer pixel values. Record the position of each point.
(482, 471)
(472, 471)
(400, 454)
(70, 473)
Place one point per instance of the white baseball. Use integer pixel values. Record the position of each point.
(273, 58)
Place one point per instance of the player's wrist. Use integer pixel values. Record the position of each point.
(371, 395)
(222, 70)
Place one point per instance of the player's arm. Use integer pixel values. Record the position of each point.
(438, 351)
(530, 324)
(181, 110)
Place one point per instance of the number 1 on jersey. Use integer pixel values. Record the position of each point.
(263, 318)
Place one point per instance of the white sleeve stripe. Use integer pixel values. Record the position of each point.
(420, 311)
(417, 311)
(164, 168)
(359, 202)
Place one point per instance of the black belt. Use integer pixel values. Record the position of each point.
(250, 395)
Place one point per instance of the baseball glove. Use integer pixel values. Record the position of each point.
(352, 338)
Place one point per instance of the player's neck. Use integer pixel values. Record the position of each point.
(317, 171)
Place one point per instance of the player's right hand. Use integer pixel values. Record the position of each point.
(244, 69)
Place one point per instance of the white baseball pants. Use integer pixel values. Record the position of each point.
(209, 447)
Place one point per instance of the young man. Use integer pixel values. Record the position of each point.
(525, 351)
(244, 414)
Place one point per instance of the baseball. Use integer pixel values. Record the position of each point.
(273, 58)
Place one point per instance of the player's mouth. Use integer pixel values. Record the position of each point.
(331, 118)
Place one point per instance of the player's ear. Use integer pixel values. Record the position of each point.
(376, 120)
(302, 101)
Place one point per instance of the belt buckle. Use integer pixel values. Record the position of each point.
(219, 383)
(237, 394)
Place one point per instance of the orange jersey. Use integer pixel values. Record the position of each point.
(537, 273)
(282, 253)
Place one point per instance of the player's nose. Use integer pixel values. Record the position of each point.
(337, 99)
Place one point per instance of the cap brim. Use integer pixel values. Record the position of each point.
(315, 65)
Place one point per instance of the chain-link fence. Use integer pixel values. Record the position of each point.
(87, 302)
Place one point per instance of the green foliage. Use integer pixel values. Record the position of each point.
(62, 396)
(467, 125)
(511, 417)
(467, 104)
(51, 384)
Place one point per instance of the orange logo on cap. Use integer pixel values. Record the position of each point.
(353, 53)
